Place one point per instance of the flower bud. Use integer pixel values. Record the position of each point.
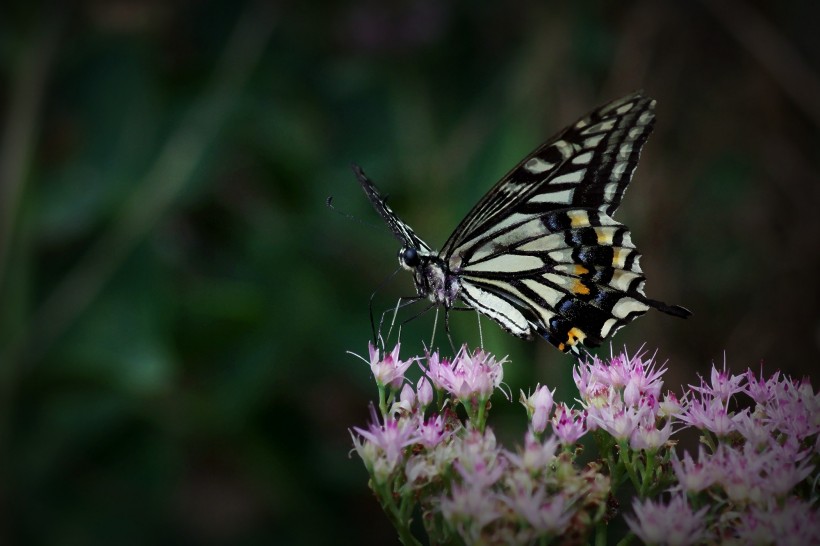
(425, 392)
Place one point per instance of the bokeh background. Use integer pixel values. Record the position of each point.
(176, 300)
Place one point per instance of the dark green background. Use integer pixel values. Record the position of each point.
(176, 301)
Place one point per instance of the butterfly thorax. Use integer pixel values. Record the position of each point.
(430, 275)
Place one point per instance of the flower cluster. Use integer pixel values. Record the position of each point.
(753, 480)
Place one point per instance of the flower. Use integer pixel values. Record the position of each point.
(478, 458)
(759, 388)
(722, 385)
(389, 370)
(674, 523)
(538, 406)
(693, 476)
(670, 406)
(535, 456)
(471, 508)
(618, 423)
(407, 400)
(568, 425)
(648, 436)
(389, 441)
(468, 375)
(708, 412)
(796, 523)
(432, 431)
(425, 392)
(548, 515)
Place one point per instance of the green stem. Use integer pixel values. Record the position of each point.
(626, 540)
(382, 401)
(397, 514)
(628, 464)
(648, 475)
(600, 533)
(481, 416)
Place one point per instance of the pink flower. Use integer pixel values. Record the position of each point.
(693, 476)
(432, 432)
(568, 425)
(468, 375)
(538, 407)
(472, 509)
(793, 408)
(478, 458)
(674, 523)
(535, 456)
(407, 400)
(796, 522)
(650, 437)
(758, 388)
(755, 428)
(382, 446)
(425, 392)
(670, 406)
(618, 423)
(722, 385)
(547, 515)
(389, 370)
(709, 413)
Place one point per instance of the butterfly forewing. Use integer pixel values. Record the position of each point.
(588, 164)
(401, 230)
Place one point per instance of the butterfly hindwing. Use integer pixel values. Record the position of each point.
(566, 271)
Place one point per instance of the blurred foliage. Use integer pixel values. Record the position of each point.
(177, 301)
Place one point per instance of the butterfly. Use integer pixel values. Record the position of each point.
(541, 254)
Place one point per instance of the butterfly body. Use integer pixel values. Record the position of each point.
(432, 277)
(540, 253)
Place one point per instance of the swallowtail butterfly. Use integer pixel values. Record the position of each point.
(540, 253)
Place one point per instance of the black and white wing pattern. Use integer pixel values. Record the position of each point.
(541, 253)
(400, 230)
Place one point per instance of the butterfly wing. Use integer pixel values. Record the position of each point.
(588, 164)
(400, 230)
(541, 253)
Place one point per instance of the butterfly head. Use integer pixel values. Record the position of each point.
(409, 258)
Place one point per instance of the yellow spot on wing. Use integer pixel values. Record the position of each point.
(581, 270)
(604, 236)
(578, 218)
(575, 335)
(619, 257)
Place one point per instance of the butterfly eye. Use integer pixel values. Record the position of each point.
(409, 257)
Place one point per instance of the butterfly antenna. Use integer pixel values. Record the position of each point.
(378, 227)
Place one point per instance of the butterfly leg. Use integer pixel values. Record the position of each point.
(447, 327)
(403, 301)
(435, 325)
(478, 317)
(480, 332)
(414, 317)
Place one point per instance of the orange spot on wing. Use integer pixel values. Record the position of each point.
(580, 288)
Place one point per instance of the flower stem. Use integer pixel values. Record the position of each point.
(481, 416)
(382, 401)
